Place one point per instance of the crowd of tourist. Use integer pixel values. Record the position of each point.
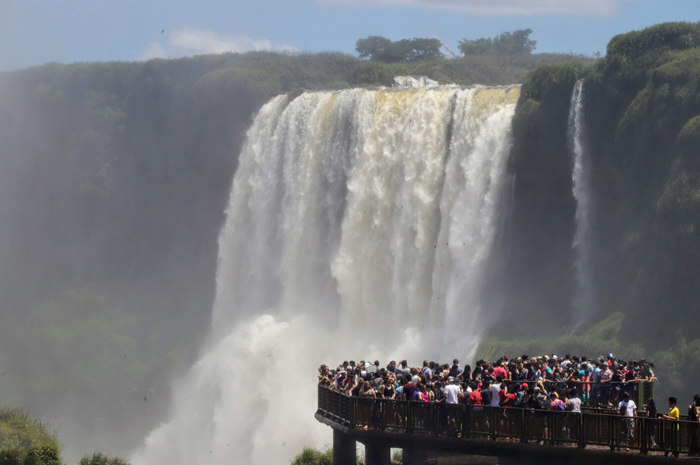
(546, 382)
(541, 383)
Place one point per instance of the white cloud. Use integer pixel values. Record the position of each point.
(188, 41)
(602, 8)
(154, 50)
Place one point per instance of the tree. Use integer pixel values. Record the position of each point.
(510, 43)
(372, 46)
(377, 48)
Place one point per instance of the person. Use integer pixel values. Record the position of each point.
(475, 395)
(509, 397)
(651, 428)
(670, 429)
(625, 427)
(456, 368)
(605, 378)
(556, 404)
(630, 409)
(452, 391)
(495, 391)
(693, 431)
(409, 389)
(673, 413)
(573, 403)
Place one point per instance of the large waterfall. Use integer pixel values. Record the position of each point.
(362, 224)
(585, 297)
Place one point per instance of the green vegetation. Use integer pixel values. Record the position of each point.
(26, 441)
(19, 431)
(600, 339)
(377, 48)
(311, 456)
(101, 459)
(512, 43)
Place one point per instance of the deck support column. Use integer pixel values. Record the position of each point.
(414, 457)
(344, 449)
(377, 455)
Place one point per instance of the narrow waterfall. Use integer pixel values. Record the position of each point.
(585, 295)
(361, 224)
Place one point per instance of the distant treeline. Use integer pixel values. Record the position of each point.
(378, 48)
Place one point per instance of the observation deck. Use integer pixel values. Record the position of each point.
(515, 435)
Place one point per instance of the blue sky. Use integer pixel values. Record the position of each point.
(39, 31)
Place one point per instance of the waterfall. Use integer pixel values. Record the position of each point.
(361, 225)
(585, 296)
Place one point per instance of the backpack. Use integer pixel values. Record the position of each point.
(559, 405)
(541, 402)
(519, 399)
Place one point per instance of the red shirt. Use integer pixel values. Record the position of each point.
(475, 398)
(500, 371)
(510, 400)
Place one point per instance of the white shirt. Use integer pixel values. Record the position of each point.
(452, 393)
(495, 395)
(631, 407)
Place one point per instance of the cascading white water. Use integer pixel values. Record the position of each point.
(360, 223)
(585, 296)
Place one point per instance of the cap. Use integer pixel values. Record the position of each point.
(524, 386)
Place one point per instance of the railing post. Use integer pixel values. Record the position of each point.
(642, 435)
(523, 427)
(581, 431)
(353, 406)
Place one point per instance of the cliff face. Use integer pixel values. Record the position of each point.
(641, 130)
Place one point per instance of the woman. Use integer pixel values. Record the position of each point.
(390, 388)
(651, 428)
(421, 394)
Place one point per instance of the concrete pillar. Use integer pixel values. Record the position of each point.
(377, 455)
(414, 457)
(344, 449)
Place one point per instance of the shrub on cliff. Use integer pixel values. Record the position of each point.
(311, 456)
(45, 455)
(101, 459)
(19, 431)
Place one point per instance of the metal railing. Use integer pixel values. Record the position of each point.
(642, 434)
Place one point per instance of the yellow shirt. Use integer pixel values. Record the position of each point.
(673, 413)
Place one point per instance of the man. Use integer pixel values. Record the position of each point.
(452, 391)
(673, 413)
(426, 373)
(475, 395)
(630, 409)
(456, 368)
(495, 391)
(409, 389)
(605, 378)
(403, 369)
(500, 371)
(573, 403)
